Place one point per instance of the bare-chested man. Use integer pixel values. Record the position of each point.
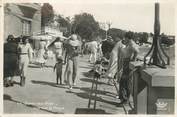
(123, 52)
(73, 51)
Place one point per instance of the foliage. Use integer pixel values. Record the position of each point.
(62, 21)
(165, 40)
(102, 33)
(47, 14)
(85, 25)
(143, 37)
(116, 34)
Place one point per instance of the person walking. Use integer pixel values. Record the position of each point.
(24, 57)
(10, 60)
(83, 47)
(73, 50)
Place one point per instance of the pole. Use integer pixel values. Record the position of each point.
(156, 34)
(158, 56)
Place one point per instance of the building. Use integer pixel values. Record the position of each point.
(52, 28)
(22, 19)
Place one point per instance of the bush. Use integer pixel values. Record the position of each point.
(165, 40)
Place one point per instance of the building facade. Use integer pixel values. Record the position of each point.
(52, 28)
(21, 19)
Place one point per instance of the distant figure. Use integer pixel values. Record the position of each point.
(31, 51)
(92, 47)
(24, 51)
(41, 53)
(10, 60)
(58, 67)
(83, 47)
(99, 50)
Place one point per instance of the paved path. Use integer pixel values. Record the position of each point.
(42, 95)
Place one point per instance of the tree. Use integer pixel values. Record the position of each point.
(166, 40)
(116, 34)
(102, 33)
(47, 14)
(144, 37)
(64, 23)
(85, 25)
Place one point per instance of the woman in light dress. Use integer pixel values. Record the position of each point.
(41, 53)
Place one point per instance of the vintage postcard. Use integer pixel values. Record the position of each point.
(88, 57)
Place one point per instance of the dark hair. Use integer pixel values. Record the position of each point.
(59, 59)
(24, 38)
(129, 35)
(58, 38)
(10, 38)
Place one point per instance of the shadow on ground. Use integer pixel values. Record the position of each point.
(99, 92)
(89, 111)
(49, 84)
(91, 80)
(38, 66)
(88, 74)
(9, 98)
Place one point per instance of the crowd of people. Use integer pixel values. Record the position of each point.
(17, 54)
(17, 57)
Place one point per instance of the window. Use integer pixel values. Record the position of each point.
(26, 27)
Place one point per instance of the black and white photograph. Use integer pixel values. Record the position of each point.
(89, 58)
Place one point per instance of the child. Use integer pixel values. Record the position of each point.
(58, 66)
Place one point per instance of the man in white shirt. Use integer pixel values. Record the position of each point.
(92, 47)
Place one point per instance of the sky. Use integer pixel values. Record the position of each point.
(137, 17)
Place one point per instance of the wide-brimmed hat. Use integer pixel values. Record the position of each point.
(74, 40)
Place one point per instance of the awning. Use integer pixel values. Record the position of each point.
(48, 36)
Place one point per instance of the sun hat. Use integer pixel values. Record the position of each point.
(74, 41)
